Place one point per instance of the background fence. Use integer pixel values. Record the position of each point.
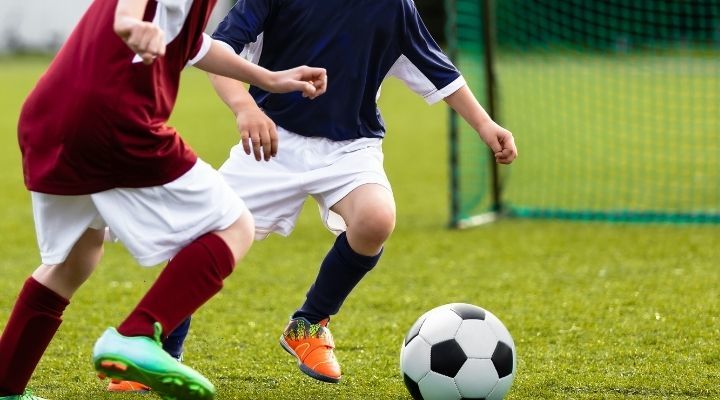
(615, 106)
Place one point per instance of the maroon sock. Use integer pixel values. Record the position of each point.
(190, 279)
(32, 324)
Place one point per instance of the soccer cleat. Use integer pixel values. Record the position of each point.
(142, 359)
(312, 345)
(27, 395)
(117, 385)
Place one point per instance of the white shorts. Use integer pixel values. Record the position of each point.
(154, 223)
(275, 191)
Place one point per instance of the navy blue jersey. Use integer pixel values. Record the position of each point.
(359, 42)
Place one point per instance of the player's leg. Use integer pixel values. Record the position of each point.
(356, 202)
(66, 278)
(133, 351)
(369, 214)
(203, 227)
(271, 191)
(274, 192)
(173, 345)
(37, 313)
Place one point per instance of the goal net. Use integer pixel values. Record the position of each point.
(615, 107)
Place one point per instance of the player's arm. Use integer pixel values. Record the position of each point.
(429, 72)
(258, 133)
(312, 82)
(144, 38)
(497, 138)
(228, 71)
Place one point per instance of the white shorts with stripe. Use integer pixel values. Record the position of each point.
(275, 191)
(154, 223)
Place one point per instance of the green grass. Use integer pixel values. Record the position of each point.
(597, 311)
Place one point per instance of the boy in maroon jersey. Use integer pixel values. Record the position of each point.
(97, 153)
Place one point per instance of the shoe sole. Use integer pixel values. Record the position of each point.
(115, 389)
(304, 368)
(169, 386)
(128, 391)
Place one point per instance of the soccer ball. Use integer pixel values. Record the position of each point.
(458, 351)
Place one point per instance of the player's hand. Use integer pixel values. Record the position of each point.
(500, 141)
(146, 39)
(258, 133)
(312, 82)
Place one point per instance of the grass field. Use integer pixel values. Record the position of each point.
(597, 311)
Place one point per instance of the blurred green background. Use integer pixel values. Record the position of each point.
(597, 311)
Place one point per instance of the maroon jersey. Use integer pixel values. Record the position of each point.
(96, 120)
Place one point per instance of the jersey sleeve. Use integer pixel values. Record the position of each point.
(243, 23)
(422, 65)
(200, 48)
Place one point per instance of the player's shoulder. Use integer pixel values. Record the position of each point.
(410, 3)
(399, 2)
(404, 5)
(396, 5)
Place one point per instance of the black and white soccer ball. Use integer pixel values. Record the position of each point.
(458, 351)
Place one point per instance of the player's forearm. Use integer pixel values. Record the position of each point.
(220, 61)
(464, 103)
(231, 92)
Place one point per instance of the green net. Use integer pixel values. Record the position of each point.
(615, 106)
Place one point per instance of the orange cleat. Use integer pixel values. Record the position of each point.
(312, 345)
(117, 385)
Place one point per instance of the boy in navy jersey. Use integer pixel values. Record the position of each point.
(97, 152)
(331, 147)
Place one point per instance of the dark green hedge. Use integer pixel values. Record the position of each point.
(608, 23)
(433, 13)
(595, 23)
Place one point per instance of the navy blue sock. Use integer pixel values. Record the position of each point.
(340, 272)
(174, 343)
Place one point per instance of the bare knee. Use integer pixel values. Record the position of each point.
(239, 236)
(371, 227)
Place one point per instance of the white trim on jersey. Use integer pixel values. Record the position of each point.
(251, 51)
(170, 16)
(442, 93)
(407, 72)
(204, 48)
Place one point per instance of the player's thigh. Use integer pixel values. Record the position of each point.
(155, 223)
(60, 222)
(354, 187)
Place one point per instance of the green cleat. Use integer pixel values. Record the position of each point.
(142, 359)
(27, 395)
